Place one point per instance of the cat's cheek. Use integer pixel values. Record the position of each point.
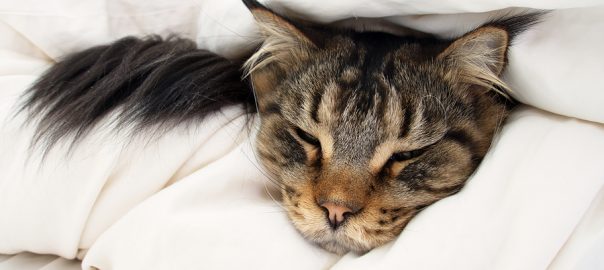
(308, 219)
(378, 227)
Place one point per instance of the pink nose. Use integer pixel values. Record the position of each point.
(336, 213)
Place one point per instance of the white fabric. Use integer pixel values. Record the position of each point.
(29, 261)
(195, 198)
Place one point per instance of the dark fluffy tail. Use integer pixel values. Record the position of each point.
(149, 82)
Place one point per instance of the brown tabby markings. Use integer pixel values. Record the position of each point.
(379, 124)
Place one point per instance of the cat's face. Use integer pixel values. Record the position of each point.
(365, 130)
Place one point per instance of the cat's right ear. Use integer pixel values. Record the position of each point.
(479, 57)
(286, 43)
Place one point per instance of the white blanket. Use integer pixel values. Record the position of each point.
(196, 197)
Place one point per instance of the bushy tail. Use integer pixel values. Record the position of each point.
(148, 82)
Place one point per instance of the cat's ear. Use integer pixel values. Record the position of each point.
(286, 31)
(479, 57)
(285, 43)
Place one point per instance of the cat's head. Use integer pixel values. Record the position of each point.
(364, 130)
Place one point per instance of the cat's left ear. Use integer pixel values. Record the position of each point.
(480, 56)
(286, 44)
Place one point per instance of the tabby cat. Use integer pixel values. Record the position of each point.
(361, 130)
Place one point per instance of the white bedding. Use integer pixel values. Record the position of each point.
(195, 198)
(30, 261)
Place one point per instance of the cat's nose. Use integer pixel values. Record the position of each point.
(336, 213)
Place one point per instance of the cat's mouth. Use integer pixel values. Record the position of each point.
(339, 232)
(352, 236)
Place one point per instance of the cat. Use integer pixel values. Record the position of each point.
(361, 130)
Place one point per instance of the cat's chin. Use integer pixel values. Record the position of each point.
(334, 247)
(340, 243)
(342, 247)
(339, 248)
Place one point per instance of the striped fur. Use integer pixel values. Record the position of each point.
(382, 125)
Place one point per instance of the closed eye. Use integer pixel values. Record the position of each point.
(307, 137)
(406, 155)
(393, 164)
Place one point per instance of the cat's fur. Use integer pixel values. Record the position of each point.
(377, 124)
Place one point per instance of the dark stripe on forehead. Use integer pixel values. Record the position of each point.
(407, 120)
(317, 97)
(365, 100)
(389, 70)
(344, 97)
(382, 95)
